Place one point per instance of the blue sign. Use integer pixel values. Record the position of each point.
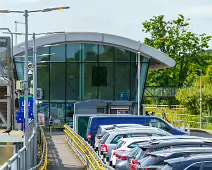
(30, 106)
(121, 96)
(20, 115)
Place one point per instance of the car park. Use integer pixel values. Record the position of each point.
(158, 157)
(126, 144)
(96, 121)
(140, 151)
(111, 138)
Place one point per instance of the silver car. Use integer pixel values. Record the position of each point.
(104, 128)
(112, 137)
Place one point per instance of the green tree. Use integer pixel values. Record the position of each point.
(185, 47)
(190, 96)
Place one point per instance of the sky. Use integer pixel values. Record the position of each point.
(119, 17)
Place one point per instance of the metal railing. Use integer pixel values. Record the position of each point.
(84, 150)
(18, 160)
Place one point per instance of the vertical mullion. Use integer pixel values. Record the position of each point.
(114, 79)
(49, 85)
(65, 78)
(97, 96)
(130, 98)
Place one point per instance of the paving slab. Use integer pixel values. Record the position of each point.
(60, 154)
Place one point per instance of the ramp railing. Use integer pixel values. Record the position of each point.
(18, 160)
(85, 152)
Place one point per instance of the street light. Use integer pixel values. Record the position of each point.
(200, 98)
(139, 81)
(26, 14)
(16, 29)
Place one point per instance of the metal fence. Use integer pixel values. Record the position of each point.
(18, 160)
(84, 150)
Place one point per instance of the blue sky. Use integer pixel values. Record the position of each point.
(119, 17)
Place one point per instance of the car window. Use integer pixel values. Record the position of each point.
(117, 138)
(139, 154)
(134, 144)
(195, 166)
(120, 144)
(157, 123)
(132, 135)
(150, 160)
(99, 130)
(207, 165)
(104, 138)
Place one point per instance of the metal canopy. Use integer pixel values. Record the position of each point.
(158, 60)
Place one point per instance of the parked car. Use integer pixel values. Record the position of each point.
(191, 162)
(126, 144)
(158, 157)
(147, 147)
(111, 138)
(95, 122)
(104, 128)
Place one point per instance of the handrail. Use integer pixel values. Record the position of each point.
(87, 153)
(18, 160)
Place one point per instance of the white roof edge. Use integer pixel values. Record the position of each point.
(104, 38)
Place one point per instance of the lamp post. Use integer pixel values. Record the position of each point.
(26, 14)
(16, 29)
(139, 81)
(200, 99)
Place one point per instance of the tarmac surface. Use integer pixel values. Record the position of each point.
(60, 155)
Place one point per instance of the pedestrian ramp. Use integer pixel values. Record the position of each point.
(60, 154)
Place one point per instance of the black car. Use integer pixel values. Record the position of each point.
(158, 157)
(192, 162)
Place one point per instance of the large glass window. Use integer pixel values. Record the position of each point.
(90, 52)
(57, 82)
(57, 113)
(122, 55)
(106, 53)
(122, 80)
(88, 85)
(43, 80)
(58, 53)
(73, 52)
(106, 81)
(72, 82)
(42, 54)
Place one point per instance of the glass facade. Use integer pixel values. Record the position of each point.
(82, 71)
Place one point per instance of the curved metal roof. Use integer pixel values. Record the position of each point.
(158, 59)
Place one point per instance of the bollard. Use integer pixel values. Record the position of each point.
(110, 163)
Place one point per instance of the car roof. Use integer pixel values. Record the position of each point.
(194, 157)
(145, 129)
(164, 143)
(169, 152)
(135, 139)
(118, 125)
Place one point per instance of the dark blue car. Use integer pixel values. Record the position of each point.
(96, 121)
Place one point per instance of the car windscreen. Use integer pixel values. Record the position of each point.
(104, 138)
(120, 144)
(150, 160)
